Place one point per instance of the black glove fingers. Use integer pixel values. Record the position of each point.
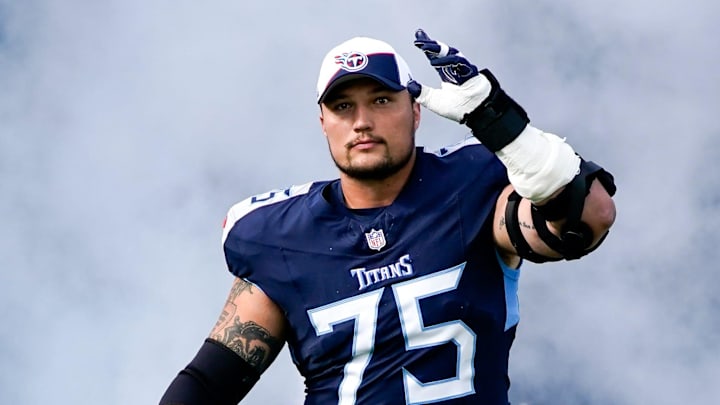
(448, 60)
(452, 67)
(459, 62)
(431, 48)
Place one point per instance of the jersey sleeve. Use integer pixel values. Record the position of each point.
(241, 233)
(237, 265)
(249, 223)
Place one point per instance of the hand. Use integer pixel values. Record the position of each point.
(463, 88)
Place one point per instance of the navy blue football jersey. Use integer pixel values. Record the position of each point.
(404, 304)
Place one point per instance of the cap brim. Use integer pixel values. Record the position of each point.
(359, 75)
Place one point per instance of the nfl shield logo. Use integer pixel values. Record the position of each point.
(375, 239)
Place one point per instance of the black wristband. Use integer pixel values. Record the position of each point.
(498, 120)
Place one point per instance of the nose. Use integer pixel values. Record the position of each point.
(363, 119)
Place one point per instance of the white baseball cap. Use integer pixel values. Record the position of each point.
(362, 57)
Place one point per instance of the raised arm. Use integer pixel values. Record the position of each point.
(247, 337)
(558, 205)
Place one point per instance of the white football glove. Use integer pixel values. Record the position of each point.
(463, 87)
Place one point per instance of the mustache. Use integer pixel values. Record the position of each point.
(364, 138)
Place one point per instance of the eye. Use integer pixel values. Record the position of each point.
(382, 100)
(341, 106)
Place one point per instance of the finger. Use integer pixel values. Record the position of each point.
(424, 42)
(436, 48)
(449, 60)
(414, 88)
(431, 47)
(420, 35)
(445, 49)
(425, 95)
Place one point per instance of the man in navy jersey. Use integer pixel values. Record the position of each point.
(397, 282)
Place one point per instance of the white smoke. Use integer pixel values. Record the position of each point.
(127, 128)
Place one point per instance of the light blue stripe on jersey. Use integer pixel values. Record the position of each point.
(446, 150)
(512, 304)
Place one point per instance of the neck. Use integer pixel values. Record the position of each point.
(375, 193)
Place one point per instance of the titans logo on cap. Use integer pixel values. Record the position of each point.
(362, 56)
(352, 61)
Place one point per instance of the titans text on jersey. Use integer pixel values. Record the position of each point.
(379, 311)
(368, 277)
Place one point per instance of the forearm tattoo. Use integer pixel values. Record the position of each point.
(249, 340)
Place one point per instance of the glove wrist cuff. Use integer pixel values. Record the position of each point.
(498, 120)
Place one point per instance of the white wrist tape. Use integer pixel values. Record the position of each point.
(539, 163)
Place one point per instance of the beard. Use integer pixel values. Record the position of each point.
(387, 167)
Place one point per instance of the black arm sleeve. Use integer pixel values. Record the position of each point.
(216, 376)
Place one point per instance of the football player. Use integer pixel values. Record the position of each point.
(397, 282)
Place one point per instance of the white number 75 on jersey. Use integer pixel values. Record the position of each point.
(363, 310)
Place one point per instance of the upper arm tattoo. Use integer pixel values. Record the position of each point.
(249, 340)
(501, 224)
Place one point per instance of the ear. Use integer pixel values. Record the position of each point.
(416, 115)
(322, 122)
